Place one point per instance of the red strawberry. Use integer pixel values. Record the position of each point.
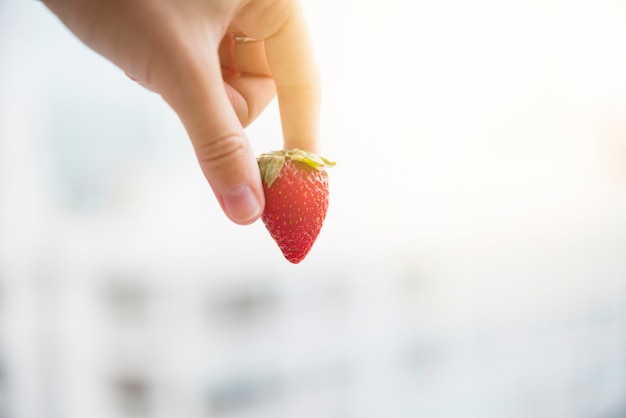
(295, 183)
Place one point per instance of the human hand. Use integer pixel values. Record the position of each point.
(187, 51)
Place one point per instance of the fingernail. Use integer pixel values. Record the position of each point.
(241, 204)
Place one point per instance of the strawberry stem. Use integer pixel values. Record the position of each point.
(271, 163)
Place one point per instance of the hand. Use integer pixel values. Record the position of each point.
(187, 51)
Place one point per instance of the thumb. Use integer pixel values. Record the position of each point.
(221, 146)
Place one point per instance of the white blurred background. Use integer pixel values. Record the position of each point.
(473, 262)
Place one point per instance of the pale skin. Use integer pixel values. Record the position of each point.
(187, 51)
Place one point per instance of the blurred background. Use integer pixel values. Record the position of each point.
(473, 261)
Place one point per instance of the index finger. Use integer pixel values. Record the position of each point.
(291, 60)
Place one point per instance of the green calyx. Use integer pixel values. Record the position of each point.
(271, 163)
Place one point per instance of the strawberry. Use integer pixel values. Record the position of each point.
(295, 183)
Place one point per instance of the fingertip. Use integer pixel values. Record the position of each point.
(241, 204)
(310, 145)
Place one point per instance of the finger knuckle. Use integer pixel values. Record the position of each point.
(218, 153)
